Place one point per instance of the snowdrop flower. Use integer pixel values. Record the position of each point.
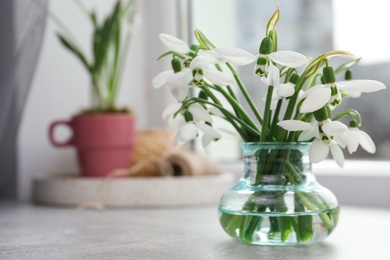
(269, 73)
(354, 137)
(330, 93)
(188, 128)
(280, 91)
(198, 71)
(265, 68)
(174, 44)
(195, 74)
(324, 132)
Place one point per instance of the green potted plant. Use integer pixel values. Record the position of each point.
(103, 134)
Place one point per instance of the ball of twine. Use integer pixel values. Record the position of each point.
(151, 144)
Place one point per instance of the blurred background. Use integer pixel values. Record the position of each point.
(41, 82)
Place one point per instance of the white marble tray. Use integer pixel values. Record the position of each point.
(73, 190)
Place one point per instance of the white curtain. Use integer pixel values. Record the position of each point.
(22, 25)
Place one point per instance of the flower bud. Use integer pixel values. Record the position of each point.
(353, 124)
(176, 65)
(203, 95)
(294, 78)
(194, 47)
(329, 75)
(348, 75)
(266, 46)
(323, 79)
(188, 116)
(322, 113)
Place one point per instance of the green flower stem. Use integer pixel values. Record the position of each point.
(308, 199)
(246, 94)
(230, 115)
(234, 103)
(350, 112)
(276, 117)
(230, 90)
(243, 134)
(267, 115)
(290, 108)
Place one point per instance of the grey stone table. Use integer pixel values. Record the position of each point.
(40, 232)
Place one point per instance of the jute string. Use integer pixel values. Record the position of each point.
(164, 166)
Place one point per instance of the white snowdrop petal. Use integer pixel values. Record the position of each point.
(289, 58)
(236, 56)
(177, 122)
(217, 77)
(199, 62)
(188, 132)
(273, 76)
(304, 94)
(318, 151)
(341, 139)
(331, 128)
(295, 125)
(174, 44)
(362, 85)
(161, 78)
(209, 134)
(308, 134)
(211, 56)
(285, 90)
(366, 142)
(352, 93)
(337, 154)
(352, 139)
(171, 109)
(180, 93)
(209, 130)
(182, 78)
(316, 100)
(199, 113)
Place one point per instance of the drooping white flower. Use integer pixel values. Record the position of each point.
(320, 95)
(199, 70)
(269, 73)
(190, 131)
(324, 134)
(281, 91)
(319, 150)
(186, 131)
(354, 137)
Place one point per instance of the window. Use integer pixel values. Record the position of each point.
(310, 27)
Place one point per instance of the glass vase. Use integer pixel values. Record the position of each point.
(278, 200)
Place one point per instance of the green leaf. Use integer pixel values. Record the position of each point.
(76, 51)
(204, 42)
(313, 67)
(347, 65)
(273, 21)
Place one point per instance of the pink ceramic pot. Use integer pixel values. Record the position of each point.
(104, 141)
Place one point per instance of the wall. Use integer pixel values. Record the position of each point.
(61, 86)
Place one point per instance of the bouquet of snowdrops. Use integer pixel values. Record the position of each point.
(290, 77)
(298, 110)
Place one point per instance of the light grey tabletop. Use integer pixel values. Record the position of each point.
(41, 232)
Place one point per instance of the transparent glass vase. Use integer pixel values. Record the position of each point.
(278, 200)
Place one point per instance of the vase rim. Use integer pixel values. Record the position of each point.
(274, 144)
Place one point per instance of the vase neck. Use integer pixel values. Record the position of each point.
(277, 164)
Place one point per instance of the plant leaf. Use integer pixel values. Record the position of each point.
(347, 65)
(72, 47)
